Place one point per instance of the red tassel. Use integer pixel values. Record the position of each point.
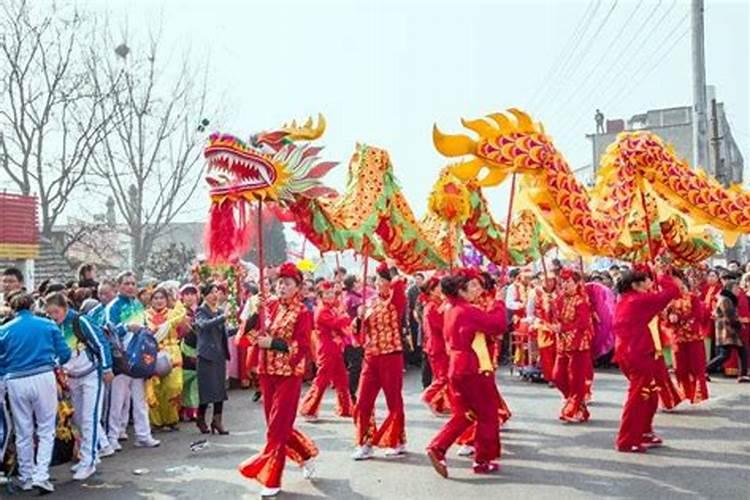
(220, 232)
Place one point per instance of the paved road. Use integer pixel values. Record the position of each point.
(708, 455)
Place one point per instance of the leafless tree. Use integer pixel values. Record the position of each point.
(152, 162)
(51, 118)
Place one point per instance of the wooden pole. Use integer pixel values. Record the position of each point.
(651, 248)
(261, 271)
(506, 256)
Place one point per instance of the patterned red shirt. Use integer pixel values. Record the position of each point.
(576, 327)
(292, 322)
(688, 310)
(383, 322)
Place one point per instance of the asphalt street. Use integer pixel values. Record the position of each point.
(707, 454)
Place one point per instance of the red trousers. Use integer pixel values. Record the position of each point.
(669, 395)
(331, 370)
(243, 367)
(547, 357)
(384, 372)
(474, 403)
(642, 399)
(571, 376)
(690, 370)
(280, 398)
(503, 415)
(436, 395)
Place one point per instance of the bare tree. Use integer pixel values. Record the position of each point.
(51, 120)
(152, 162)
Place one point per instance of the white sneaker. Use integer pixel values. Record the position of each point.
(123, 436)
(107, 452)
(115, 445)
(147, 443)
(362, 453)
(269, 492)
(308, 469)
(75, 467)
(398, 451)
(84, 473)
(466, 451)
(44, 487)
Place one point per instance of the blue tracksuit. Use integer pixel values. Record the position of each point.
(30, 345)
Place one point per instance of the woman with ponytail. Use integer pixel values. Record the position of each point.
(467, 329)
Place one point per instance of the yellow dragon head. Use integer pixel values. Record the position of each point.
(506, 144)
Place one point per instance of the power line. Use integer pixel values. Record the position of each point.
(573, 42)
(628, 89)
(628, 83)
(568, 75)
(598, 64)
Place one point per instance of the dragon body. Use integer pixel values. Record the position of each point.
(640, 179)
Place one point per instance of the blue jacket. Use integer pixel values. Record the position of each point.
(124, 311)
(97, 314)
(102, 357)
(30, 345)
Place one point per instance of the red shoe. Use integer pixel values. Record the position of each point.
(486, 467)
(636, 448)
(438, 462)
(651, 440)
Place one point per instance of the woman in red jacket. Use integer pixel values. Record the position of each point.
(279, 356)
(331, 322)
(436, 395)
(575, 331)
(683, 318)
(470, 373)
(636, 354)
(383, 368)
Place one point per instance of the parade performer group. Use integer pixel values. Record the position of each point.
(355, 332)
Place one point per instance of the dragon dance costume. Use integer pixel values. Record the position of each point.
(472, 381)
(280, 375)
(331, 324)
(436, 395)
(383, 368)
(635, 352)
(573, 365)
(683, 317)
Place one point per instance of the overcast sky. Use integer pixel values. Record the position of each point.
(383, 72)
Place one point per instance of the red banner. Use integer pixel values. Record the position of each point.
(19, 231)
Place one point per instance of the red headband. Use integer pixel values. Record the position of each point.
(642, 268)
(567, 273)
(324, 286)
(383, 269)
(289, 270)
(469, 273)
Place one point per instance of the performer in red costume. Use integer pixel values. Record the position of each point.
(542, 313)
(683, 318)
(331, 323)
(710, 296)
(383, 368)
(470, 373)
(575, 331)
(436, 395)
(636, 354)
(486, 302)
(279, 356)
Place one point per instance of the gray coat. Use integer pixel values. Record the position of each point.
(212, 334)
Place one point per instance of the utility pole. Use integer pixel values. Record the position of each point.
(720, 173)
(700, 121)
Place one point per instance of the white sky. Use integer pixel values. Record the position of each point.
(383, 71)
